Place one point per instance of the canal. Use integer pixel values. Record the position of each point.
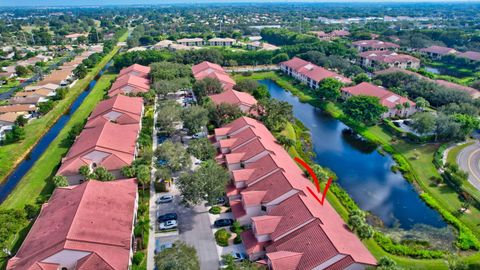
(362, 171)
(12, 180)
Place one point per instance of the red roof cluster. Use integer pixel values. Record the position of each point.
(387, 98)
(132, 79)
(474, 56)
(82, 227)
(375, 44)
(438, 50)
(269, 190)
(206, 69)
(99, 143)
(388, 57)
(211, 70)
(313, 71)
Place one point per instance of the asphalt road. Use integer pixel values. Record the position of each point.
(194, 228)
(469, 160)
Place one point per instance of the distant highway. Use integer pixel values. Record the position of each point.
(469, 160)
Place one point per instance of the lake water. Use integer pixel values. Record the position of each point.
(362, 171)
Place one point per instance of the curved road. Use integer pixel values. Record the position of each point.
(469, 160)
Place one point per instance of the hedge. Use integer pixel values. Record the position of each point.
(466, 239)
(391, 247)
(215, 210)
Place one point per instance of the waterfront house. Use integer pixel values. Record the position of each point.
(396, 104)
(119, 109)
(84, 227)
(211, 70)
(374, 59)
(289, 228)
(309, 73)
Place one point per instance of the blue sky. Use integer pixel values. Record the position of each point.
(129, 2)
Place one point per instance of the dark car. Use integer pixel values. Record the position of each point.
(223, 222)
(167, 217)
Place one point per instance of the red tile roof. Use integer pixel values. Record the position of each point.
(71, 221)
(205, 65)
(375, 44)
(313, 71)
(266, 224)
(136, 69)
(284, 260)
(438, 50)
(341, 264)
(295, 220)
(474, 56)
(119, 109)
(129, 84)
(100, 143)
(387, 98)
(235, 98)
(388, 57)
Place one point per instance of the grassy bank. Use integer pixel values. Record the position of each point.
(417, 160)
(37, 181)
(14, 153)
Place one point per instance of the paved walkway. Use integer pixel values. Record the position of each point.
(152, 210)
(469, 160)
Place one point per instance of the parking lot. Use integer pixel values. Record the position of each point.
(194, 228)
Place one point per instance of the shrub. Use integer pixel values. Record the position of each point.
(138, 258)
(215, 210)
(31, 210)
(221, 237)
(466, 239)
(160, 187)
(237, 240)
(387, 244)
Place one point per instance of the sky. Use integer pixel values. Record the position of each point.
(149, 2)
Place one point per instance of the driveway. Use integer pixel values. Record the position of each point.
(194, 228)
(469, 160)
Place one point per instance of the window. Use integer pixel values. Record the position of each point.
(264, 208)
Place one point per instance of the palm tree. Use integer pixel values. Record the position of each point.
(143, 225)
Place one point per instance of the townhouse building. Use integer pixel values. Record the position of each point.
(309, 73)
(396, 104)
(374, 59)
(289, 228)
(374, 45)
(84, 227)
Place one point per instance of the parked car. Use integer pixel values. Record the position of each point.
(159, 246)
(237, 256)
(199, 135)
(225, 222)
(168, 225)
(221, 200)
(165, 199)
(167, 217)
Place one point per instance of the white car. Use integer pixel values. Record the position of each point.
(168, 225)
(165, 199)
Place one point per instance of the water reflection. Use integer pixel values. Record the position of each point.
(364, 173)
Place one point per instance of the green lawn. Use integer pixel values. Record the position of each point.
(453, 153)
(5, 87)
(420, 159)
(12, 154)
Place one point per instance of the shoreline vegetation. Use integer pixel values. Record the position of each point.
(415, 161)
(12, 154)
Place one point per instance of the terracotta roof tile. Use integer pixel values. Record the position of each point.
(386, 97)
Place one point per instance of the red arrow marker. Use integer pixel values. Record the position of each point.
(315, 180)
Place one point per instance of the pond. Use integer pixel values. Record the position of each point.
(12, 180)
(362, 171)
